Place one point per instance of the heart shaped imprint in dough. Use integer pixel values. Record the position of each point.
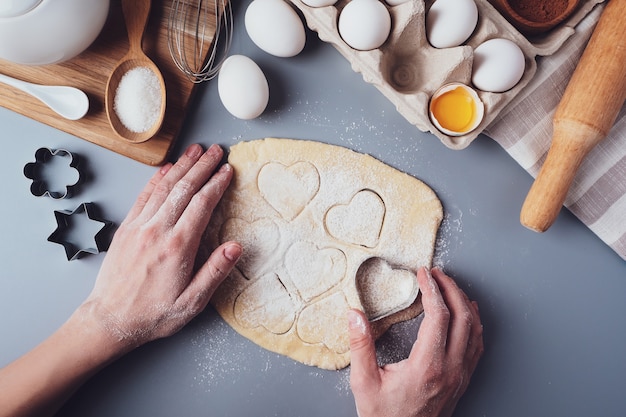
(384, 290)
(288, 189)
(326, 322)
(260, 239)
(314, 270)
(266, 302)
(360, 221)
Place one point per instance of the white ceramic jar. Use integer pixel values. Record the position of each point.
(40, 32)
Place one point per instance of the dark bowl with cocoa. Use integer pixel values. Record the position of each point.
(533, 17)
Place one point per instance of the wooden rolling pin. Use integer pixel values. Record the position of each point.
(586, 113)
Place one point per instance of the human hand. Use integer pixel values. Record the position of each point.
(148, 287)
(430, 382)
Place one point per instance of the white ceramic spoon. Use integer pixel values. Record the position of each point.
(69, 102)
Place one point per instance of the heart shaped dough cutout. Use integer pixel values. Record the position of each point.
(266, 302)
(360, 221)
(314, 271)
(288, 189)
(326, 322)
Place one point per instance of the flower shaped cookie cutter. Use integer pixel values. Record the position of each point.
(81, 231)
(48, 165)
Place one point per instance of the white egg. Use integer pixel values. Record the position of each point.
(364, 24)
(319, 3)
(275, 27)
(499, 64)
(450, 23)
(242, 87)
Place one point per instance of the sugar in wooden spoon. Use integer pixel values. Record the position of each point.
(135, 94)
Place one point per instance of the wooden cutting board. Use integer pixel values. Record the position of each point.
(90, 70)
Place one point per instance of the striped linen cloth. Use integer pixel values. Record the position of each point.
(524, 129)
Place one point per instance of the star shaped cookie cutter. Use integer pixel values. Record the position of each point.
(37, 172)
(68, 228)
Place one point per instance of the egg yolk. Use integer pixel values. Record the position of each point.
(455, 110)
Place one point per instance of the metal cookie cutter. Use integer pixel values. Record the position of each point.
(38, 171)
(81, 231)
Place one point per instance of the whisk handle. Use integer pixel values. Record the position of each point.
(136, 14)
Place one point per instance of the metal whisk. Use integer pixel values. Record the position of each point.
(199, 36)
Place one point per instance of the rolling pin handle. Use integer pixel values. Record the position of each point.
(572, 141)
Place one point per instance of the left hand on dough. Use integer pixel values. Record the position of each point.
(437, 372)
(147, 287)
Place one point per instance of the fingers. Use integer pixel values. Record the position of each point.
(465, 339)
(171, 195)
(432, 334)
(199, 210)
(461, 317)
(477, 346)
(210, 275)
(364, 369)
(451, 325)
(192, 181)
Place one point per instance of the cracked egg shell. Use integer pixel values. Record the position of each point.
(456, 109)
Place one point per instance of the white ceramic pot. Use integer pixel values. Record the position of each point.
(40, 32)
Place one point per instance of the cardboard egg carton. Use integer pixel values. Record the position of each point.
(408, 70)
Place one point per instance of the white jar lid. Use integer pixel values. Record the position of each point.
(14, 8)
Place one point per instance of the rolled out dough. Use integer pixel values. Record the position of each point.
(324, 229)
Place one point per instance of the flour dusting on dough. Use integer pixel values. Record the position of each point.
(325, 229)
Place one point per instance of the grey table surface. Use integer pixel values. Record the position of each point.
(553, 304)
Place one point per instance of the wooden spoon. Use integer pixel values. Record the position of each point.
(136, 14)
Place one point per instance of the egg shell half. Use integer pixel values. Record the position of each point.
(275, 27)
(242, 87)
(450, 23)
(498, 66)
(461, 104)
(364, 24)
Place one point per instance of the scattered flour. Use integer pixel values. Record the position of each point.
(449, 237)
(218, 359)
(223, 357)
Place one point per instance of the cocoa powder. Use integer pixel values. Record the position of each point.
(539, 11)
